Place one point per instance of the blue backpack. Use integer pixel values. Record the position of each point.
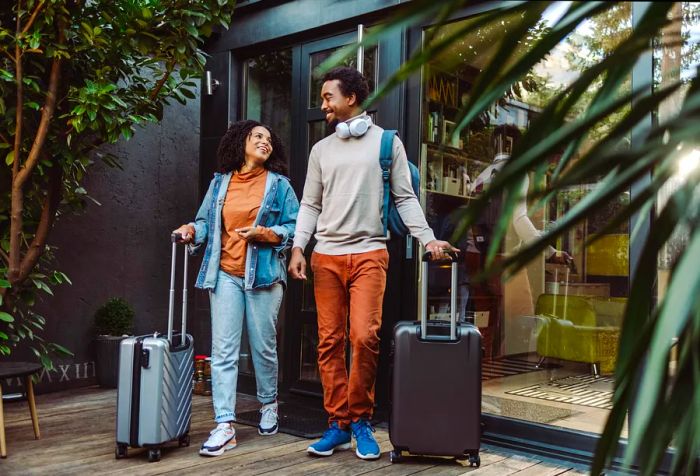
(390, 217)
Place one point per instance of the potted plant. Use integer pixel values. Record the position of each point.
(113, 322)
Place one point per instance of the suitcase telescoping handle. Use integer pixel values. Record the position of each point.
(424, 297)
(174, 237)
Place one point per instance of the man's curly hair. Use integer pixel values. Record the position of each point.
(351, 81)
(231, 152)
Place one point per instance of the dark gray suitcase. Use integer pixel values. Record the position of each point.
(436, 384)
(154, 394)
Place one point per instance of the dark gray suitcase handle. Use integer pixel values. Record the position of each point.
(424, 297)
(174, 238)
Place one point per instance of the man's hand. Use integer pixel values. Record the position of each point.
(187, 233)
(249, 233)
(438, 249)
(297, 264)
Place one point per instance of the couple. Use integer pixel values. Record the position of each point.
(248, 218)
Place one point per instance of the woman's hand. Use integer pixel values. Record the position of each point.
(187, 233)
(249, 233)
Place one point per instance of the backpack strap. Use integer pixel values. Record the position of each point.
(385, 157)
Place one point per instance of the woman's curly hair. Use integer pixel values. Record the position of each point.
(231, 152)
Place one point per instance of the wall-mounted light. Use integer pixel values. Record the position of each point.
(210, 84)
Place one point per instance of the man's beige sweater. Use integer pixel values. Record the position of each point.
(343, 196)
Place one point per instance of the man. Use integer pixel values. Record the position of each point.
(343, 203)
(515, 322)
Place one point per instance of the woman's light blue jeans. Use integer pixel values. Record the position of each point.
(231, 306)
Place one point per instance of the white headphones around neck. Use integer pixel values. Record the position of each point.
(355, 128)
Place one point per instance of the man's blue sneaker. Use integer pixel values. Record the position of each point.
(333, 439)
(367, 447)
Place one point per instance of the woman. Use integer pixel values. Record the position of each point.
(247, 222)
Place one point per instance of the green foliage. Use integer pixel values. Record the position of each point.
(114, 318)
(591, 120)
(75, 76)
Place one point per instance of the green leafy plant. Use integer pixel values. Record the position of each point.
(114, 318)
(591, 121)
(75, 75)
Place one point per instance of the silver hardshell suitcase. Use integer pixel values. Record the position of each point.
(154, 394)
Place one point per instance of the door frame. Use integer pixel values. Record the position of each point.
(305, 116)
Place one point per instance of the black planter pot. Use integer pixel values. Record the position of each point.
(107, 360)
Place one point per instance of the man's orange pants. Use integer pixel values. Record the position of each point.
(349, 286)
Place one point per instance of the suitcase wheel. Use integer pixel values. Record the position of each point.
(120, 451)
(475, 460)
(395, 456)
(153, 455)
(184, 440)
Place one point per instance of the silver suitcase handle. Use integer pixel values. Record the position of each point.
(174, 237)
(424, 296)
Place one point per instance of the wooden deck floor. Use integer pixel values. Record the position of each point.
(77, 429)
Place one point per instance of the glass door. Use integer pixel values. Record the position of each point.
(268, 99)
(302, 329)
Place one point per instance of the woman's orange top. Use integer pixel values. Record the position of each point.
(244, 197)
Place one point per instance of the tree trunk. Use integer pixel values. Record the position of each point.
(19, 268)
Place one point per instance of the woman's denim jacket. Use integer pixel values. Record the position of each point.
(266, 264)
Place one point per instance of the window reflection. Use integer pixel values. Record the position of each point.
(308, 368)
(268, 96)
(676, 58)
(317, 130)
(550, 332)
(268, 93)
(369, 70)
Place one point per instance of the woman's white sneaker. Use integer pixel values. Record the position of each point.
(221, 438)
(268, 419)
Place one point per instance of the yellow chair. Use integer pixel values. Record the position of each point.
(580, 329)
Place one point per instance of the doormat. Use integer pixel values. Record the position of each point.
(507, 366)
(294, 419)
(583, 390)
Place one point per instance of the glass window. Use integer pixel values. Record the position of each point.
(369, 70)
(308, 365)
(676, 60)
(317, 130)
(550, 332)
(676, 57)
(268, 94)
(268, 99)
